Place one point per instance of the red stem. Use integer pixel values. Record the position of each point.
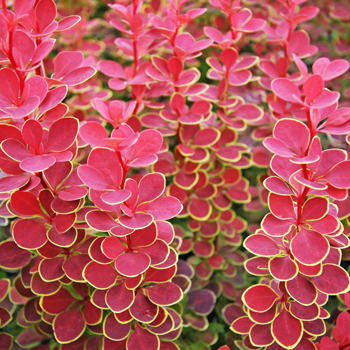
(4, 7)
(125, 169)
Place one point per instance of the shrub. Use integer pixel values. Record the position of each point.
(174, 175)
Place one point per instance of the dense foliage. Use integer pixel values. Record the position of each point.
(174, 174)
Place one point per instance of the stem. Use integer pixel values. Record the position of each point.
(304, 167)
(4, 7)
(136, 61)
(125, 169)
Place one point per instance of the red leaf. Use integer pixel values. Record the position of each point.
(69, 326)
(309, 247)
(201, 301)
(100, 276)
(12, 256)
(302, 290)
(29, 234)
(259, 297)
(313, 87)
(286, 89)
(62, 134)
(164, 294)
(10, 183)
(151, 187)
(115, 330)
(283, 268)
(242, 325)
(141, 339)
(66, 61)
(333, 280)
(143, 310)
(119, 298)
(287, 330)
(67, 23)
(339, 175)
(132, 264)
(281, 206)
(294, 134)
(58, 302)
(261, 245)
(260, 335)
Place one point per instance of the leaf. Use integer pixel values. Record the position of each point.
(141, 339)
(69, 326)
(313, 87)
(278, 186)
(335, 69)
(115, 330)
(27, 107)
(303, 312)
(51, 269)
(112, 247)
(283, 268)
(143, 310)
(12, 256)
(286, 90)
(261, 245)
(259, 297)
(144, 237)
(107, 163)
(148, 143)
(158, 252)
(29, 234)
(132, 264)
(15, 150)
(201, 301)
(287, 330)
(309, 247)
(333, 280)
(314, 209)
(294, 134)
(242, 325)
(78, 75)
(302, 290)
(151, 187)
(45, 14)
(67, 23)
(338, 176)
(74, 266)
(281, 206)
(100, 220)
(23, 6)
(62, 134)
(119, 298)
(164, 294)
(163, 208)
(93, 133)
(100, 276)
(137, 221)
(228, 57)
(116, 197)
(57, 302)
(9, 88)
(37, 163)
(10, 183)
(92, 178)
(260, 335)
(53, 99)
(199, 209)
(66, 61)
(111, 69)
(206, 137)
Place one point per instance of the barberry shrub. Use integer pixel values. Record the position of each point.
(174, 175)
